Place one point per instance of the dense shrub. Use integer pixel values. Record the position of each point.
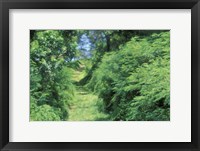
(51, 85)
(134, 81)
(44, 112)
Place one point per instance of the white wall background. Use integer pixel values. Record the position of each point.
(178, 129)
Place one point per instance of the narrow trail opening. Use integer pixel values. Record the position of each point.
(86, 106)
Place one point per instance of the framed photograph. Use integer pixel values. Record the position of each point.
(99, 75)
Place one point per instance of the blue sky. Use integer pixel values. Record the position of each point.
(85, 45)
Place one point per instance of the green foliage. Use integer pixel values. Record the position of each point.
(134, 81)
(51, 85)
(99, 75)
(44, 112)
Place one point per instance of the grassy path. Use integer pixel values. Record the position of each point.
(86, 105)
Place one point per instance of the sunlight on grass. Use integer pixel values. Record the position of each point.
(79, 74)
(85, 108)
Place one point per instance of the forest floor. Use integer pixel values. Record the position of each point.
(86, 106)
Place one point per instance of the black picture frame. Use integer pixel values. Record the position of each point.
(5, 5)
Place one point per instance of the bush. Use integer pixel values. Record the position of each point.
(44, 112)
(134, 81)
(51, 85)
